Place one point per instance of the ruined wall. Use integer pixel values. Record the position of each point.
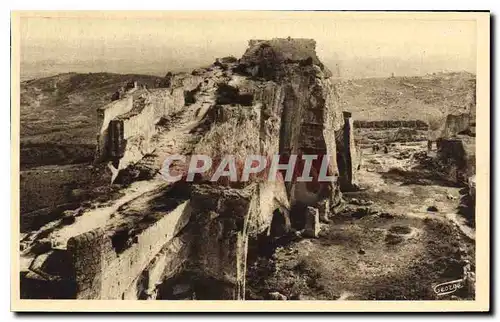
(367, 137)
(127, 125)
(98, 263)
(224, 220)
(265, 58)
(104, 115)
(139, 124)
(311, 116)
(458, 158)
(347, 154)
(87, 252)
(164, 103)
(186, 81)
(414, 124)
(138, 127)
(290, 106)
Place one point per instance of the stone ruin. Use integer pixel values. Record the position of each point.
(456, 150)
(277, 99)
(455, 144)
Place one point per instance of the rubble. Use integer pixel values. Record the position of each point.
(277, 296)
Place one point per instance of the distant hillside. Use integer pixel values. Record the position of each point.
(62, 108)
(58, 114)
(424, 98)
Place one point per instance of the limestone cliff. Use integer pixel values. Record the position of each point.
(278, 99)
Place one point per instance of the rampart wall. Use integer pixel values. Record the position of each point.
(104, 115)
(97, 263)
(416, 124)
(134, 120)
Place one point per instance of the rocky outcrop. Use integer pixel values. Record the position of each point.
(310, 111)
(123, 255)
(268, 58)
(127, 126)
(284, 99)
(451, 126)
(458, 157)
(347, 154)
(278, 99)
(226, 219)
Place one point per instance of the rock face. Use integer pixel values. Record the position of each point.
(312, 223)
(451, 125)
(268, 58)
(347, 154)
(458, 157)
(278, 99)
(456, 149)
(127, 126)
(225, 219)
(310, 109)
(292, 109)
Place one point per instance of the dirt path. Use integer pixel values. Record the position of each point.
(386, 245)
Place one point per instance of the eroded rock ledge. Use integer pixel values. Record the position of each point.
(277, 99)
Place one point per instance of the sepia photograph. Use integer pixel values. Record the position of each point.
(272, 160)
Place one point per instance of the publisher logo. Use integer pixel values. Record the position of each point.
(448, 287)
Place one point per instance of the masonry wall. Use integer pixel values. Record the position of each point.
(87, 252)
(162, 102)
(311, 117)
(102, 273)
(347, 154)
(104, 115)
(458, 157)
(137, 128)
(416, 124)
(139, 124)
(169, 262)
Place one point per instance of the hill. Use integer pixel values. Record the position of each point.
(58, 118)
(423, 98)
(58, 114)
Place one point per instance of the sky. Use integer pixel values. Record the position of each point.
(361, 45)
